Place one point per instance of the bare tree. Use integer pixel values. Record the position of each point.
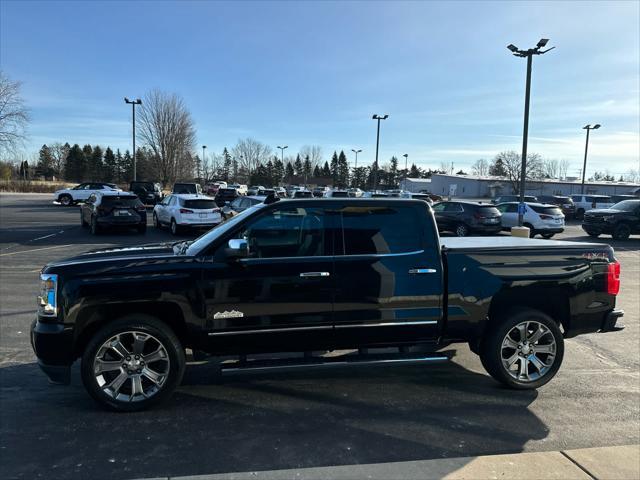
(166, 127)
(632, 175)
(563, 169)
(480, 167)
(14, 116)
(512, 164)
(551, 168)
(446, 167)
(314, 152)
(250, 153)
(59, 154)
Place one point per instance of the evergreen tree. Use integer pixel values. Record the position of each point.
(110, 169)
(326, 171)
(317, 172)
(235, 169)
(227, 165)
(94, 164)
(343, 170)
(268, 170)
(497, 168)
(119, 166)
(75, 164)
(335, 174)
(392, 179)
(297, 166)
(289, 172)
(414, 172)
(126, 168)
(306, 168)
(278, 171)
(87, 151)
(45, 162)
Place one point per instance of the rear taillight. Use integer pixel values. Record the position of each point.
(545, 217)
(613, 278)
(185, 210)
(141, 208)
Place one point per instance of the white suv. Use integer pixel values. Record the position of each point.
(543, 219)
(80, 193)
(584, 203)
(187, 210)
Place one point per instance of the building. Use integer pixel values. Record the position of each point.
(472, 186)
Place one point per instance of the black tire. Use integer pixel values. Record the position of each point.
(547, 235)
(492, 350)
(175, 228)
(532, 231)
(95, 228)
(156, 222)
(622, 231)
(172, 365)
(593, 234)
(65, 200)
(461, 230)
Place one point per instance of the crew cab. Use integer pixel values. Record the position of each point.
(620, 221)
(368, 279)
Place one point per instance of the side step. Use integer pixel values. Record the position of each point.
(234, 367)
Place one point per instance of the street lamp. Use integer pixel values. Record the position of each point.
(282, 152)
(202, 161)
(586, 147)
(406, 158)
(528, 54)
(375, 173)
(133, 103)
(356, 152)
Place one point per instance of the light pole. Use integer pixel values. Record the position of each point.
(202, 161)
(282, 152)
(528, 54)
(588, 128)
(133, 103)
(406, 173)
(375, 173)
(356, 152)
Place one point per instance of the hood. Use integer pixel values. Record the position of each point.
(602, 211)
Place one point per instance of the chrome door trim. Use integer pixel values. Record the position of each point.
(271, 330)
(388, 324)
(314, 274)
(418, 271)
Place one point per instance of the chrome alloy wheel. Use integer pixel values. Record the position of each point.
(131, 366)
(528, 351)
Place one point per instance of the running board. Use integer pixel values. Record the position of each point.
(235, 367)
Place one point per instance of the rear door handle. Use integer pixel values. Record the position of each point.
(421, 271)
(314, 274)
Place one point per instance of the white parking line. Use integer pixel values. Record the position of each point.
(35, 250)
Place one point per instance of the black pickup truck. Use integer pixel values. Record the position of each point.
(369, 278)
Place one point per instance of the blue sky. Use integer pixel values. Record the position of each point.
(301, 73)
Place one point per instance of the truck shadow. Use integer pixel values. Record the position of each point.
(262, 422)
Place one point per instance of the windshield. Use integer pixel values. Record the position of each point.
(205, 240)
(627, 205)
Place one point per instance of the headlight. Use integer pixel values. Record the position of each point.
(48, 298)
(609, 218)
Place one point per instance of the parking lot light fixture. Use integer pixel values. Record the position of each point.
(133, 103)
(375, 170)
(356, 152)
(588, 128)
(528, 54)
(406, 173)
(203, 157)
(282, 152)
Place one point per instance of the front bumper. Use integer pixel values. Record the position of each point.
(597, 228)
(53, 345)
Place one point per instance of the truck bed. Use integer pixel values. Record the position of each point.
(502, 242)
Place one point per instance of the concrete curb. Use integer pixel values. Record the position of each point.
(610, 463)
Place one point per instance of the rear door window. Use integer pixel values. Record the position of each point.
(380, 230)
(453, 207)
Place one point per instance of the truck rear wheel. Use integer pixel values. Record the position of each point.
(524, 350)
(132, 363)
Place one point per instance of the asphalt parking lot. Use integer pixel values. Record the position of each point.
(290, 420)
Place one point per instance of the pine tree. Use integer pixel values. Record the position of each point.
(127, 167)
(392, 180)
(94, 164)
(278, 171)
(110, 167)
(306, 168)
(317, 172)
(235, 168)
(414, 172)
(497, 168)
(45, 162)
(326, 171)
(226, 165)
(343, 170)
(119, 166)
(334, 169)
(289, 172)
(297, 166)
(269, 173)
(75, 164)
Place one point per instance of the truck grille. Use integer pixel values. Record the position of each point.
(593, 219)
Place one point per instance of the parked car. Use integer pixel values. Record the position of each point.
(620, 221)
(266, 192)
(320, 191)
(422, 196)
(619, 198)
(185, 188)
(514, 198)
(355, 192)
(302, 193)
(226, 195)
(240, 204)
(316, 275)
(242, 189)
(149, 193)
(336, 193)
(79, 193)
(466, 218)
(375, 194)
(433, 196)
(253, 190)
(585, 203)
(108, 210)
(186, 211)
(545, 220)
(212, 188)
(565, 203)
(281, 192)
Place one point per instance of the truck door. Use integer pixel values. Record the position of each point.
(388, 274)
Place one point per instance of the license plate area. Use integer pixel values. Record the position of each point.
(122, 213)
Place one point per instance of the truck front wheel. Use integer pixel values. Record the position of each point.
(524, 350)
(132, 363)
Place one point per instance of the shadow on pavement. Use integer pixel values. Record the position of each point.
(261, 422)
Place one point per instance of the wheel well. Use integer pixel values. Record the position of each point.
(549, 301)
(91, 322)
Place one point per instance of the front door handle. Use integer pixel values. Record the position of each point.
(314, 274)
(421, 271)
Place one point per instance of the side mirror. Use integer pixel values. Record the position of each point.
(238, 248)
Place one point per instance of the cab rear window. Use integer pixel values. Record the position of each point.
(200, 204)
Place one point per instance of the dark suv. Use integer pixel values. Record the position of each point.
(149, 193)
(183, 187)
(565, 203)
(225, 196)
(123, 209)
(464, 218)
(620, 221)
